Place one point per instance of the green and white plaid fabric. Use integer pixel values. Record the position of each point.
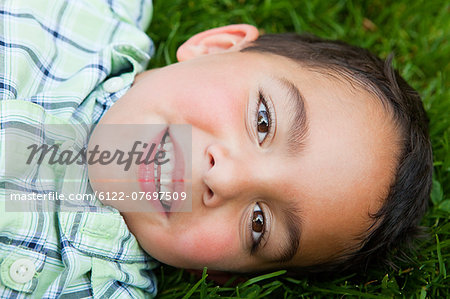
(66, 62)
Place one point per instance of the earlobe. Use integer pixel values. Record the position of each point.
(217, 40)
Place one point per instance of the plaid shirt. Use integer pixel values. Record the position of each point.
(66, 62)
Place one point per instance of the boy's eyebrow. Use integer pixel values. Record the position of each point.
(293, 222)
(299, 126)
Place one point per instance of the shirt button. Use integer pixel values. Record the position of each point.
(113, 84)
(22, 270)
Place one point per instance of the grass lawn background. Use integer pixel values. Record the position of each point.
(418, 33)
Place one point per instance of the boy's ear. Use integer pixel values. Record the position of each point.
(217, 40)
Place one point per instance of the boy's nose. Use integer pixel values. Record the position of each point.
(228, 177)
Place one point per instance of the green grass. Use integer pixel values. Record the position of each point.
(418, 32)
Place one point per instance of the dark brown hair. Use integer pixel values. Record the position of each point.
(396, 224)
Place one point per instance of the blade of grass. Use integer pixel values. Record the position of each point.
(262, 277)
(442, 269)
(192, 290)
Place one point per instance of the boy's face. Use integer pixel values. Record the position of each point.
(262, 179)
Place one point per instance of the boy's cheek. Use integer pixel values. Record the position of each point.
(208, 246)
(201, 97)
(211, 108)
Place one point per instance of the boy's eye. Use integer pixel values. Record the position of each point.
(263, 121)
(257, 225)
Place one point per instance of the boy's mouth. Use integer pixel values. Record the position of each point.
(163, 182)
(163, 173)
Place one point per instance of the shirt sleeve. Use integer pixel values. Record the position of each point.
(59, 54)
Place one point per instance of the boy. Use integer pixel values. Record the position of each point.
(291, 156)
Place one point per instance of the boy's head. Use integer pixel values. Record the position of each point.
(304, 152)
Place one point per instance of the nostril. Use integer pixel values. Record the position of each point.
(210, 193)
(211, 160)
(207, 196)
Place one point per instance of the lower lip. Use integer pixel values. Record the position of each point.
(146, 174)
